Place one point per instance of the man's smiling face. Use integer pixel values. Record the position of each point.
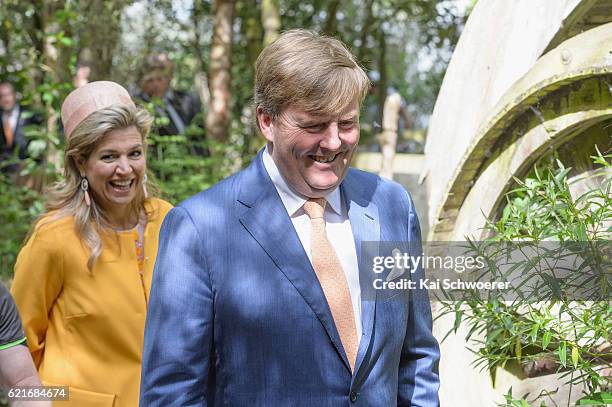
(312, 152)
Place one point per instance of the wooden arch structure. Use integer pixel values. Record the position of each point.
(562, 94)
(565, 94)
(526, 78)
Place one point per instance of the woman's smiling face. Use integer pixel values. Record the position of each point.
(115, 170)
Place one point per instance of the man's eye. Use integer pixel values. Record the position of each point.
(348, 124)
(316, 127)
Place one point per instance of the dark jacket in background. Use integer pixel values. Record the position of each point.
(186, 106)
(19, 148)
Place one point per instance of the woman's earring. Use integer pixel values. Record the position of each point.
(144, 186)
(85, 188)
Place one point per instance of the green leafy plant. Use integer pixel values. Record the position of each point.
(20, 206)
(552, 322)
(183, 166)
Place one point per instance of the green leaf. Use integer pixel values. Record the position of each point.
(560, 164)
(562, 351)
(66, 41)
(595, 399)
(575, 356)
(546, 339)
(534, 332)
(518, 348)
(553, 284)
(458, 315)
(580, 230)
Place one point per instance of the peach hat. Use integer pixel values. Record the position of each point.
(89, 98)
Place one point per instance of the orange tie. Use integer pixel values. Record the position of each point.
(8, 130)
(329, 271)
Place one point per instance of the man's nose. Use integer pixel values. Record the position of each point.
(331, 140)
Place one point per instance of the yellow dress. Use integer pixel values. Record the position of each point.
(85, 329)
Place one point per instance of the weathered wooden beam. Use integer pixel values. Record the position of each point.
(561, 74)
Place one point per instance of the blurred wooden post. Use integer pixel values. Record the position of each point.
(270, 20)
(56, 60)
(388, 137)
(219, 76)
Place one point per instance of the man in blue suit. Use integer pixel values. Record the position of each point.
(258, 296)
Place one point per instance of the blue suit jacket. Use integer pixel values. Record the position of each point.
(237, 316)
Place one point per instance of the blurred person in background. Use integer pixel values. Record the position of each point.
(81, 76)
(180, 108)
(13, 120)
(82, 280)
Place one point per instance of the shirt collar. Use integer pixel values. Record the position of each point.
(11, 112)
(293, 201)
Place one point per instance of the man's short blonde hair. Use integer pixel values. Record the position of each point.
(310, 71)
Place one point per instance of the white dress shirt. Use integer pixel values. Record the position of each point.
(12, 117)
(337, 227)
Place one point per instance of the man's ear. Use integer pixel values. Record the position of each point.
(266, 124)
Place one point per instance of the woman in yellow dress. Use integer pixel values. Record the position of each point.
(83, 277)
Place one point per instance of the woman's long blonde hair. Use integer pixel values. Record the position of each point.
(65, 197)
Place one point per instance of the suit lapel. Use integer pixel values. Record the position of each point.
(266, 219)
(3, 138)
(18, 125)
(364, 218)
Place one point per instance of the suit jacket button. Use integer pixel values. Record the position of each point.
(353, 397)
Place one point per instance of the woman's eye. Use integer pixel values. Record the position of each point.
(107, 157)
(136, 153)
